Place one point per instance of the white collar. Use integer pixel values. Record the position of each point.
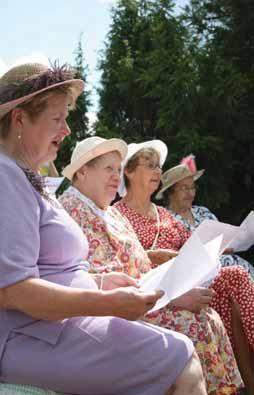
(93, 206)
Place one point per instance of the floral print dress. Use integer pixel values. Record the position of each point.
(115, 246)
(231, 282)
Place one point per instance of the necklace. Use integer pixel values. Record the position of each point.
(158, 227)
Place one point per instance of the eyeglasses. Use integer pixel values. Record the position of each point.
(150, 166)
(187, 189)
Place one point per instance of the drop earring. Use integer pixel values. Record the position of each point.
(19, 136)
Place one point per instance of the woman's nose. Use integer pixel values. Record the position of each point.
(116, 174)
(66, 130)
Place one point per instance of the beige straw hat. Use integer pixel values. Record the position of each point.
(23, 82)
(91, 148)
(175, 174)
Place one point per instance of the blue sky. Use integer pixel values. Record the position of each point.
(51, 29)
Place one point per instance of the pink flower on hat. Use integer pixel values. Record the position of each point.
(189, 161)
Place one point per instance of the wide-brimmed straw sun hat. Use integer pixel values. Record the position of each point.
(91, 148)
(133, 148)
(175, 174)
(23, 82)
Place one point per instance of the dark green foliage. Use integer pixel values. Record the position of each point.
(226, 31)
(77, 119)
(187, 80)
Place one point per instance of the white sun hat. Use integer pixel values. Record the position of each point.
(158, 145)
(91, 148)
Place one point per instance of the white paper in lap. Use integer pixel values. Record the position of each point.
(198, 261)
(194, 265)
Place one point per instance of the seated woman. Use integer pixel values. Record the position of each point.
(178, 193)
(61, 328)
(113, 246)
(157, 228)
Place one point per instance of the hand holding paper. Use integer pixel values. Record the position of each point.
(237, 238)
(195, 265)
(245, 238)
(195, 299)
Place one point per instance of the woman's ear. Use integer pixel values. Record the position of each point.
(17, 117)
(81, 173)
(127, 173)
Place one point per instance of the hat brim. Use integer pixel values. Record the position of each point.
(76, 84)
(101, 149)
(196, 176)
(157, 145)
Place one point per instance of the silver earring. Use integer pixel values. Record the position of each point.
(19, 135)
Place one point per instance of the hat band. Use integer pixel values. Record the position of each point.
(35, 83)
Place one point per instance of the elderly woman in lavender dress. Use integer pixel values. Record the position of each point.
(61, 328)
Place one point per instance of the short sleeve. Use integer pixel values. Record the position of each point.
(205, 213)
(19, 225)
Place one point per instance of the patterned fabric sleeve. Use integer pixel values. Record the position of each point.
(202, 213)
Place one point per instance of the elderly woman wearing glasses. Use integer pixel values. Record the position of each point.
(178, 192)
(157, 228)
(113, 246)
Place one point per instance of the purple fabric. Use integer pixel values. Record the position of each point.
(88, 355)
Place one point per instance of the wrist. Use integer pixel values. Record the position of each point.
(178, 302)
(99, 303)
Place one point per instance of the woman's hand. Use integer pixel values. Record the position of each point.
(194, 300)
(45, 300)
(116, 280)
(130, 303)
(160, 256)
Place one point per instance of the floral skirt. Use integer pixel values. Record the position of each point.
(212, 344)
(233, 282)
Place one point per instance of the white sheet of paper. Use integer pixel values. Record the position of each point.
(245, 238)
(195, 264)
(52, 183)
(210, 229)
(239, 238)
